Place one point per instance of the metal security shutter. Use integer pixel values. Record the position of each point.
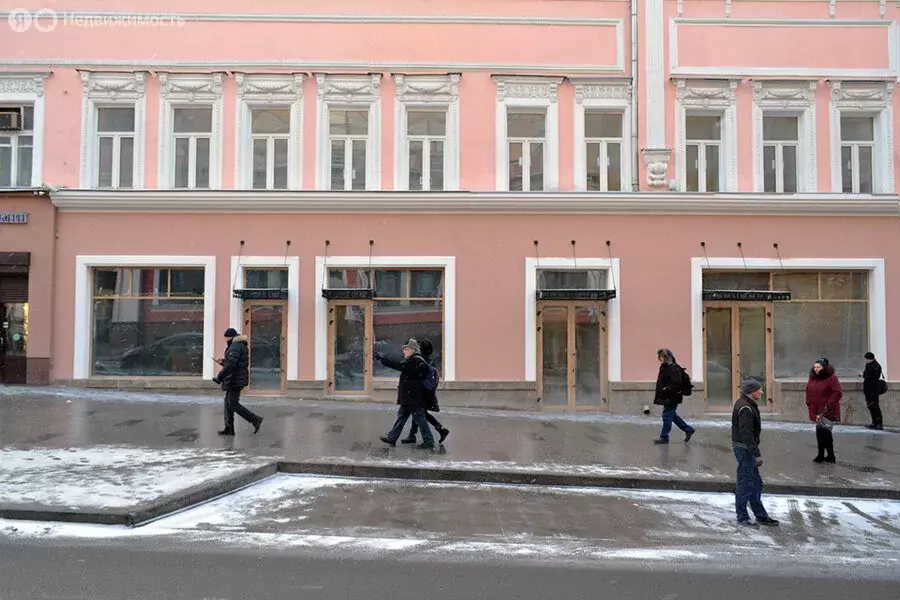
(13, 288)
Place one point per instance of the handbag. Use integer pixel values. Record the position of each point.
(824, 423)
(882, 386)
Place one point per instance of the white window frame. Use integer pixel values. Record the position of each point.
(527, 93)
(112, 90)
(426, 93)
(189, 91)
(27, 89)
(614, 309)
(787, 99)
(239, 265)
(702, 145)
(708, 98)
(348, 92)
(447, 263)
(256, 92)
(609, 97)
(872, 99)
(83, 302)
(877, 317)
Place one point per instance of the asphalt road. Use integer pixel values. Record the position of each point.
(91, 571)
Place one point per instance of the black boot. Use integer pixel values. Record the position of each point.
(409, 440)
(819, 458)
(226, 431)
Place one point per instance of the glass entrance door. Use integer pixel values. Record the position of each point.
(738, 342)
(13, 342)
(349, 348)
(572, 356)
(265, 324)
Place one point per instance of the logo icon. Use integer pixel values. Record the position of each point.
(43, 20)
(20, 20)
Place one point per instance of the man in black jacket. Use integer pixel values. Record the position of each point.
(746, 425)
(234, 377)
(427, 349)
(669, 394)
(871, 384)
(412, 395)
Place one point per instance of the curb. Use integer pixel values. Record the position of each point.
(132, 517)
(563, 480)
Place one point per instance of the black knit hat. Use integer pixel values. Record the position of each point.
(870, 356)
(231, 332)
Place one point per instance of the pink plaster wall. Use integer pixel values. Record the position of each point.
(490, 250)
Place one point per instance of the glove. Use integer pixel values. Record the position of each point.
(378, 355)
(216, 380)
(759, 462)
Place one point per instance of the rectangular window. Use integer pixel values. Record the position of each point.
(147, 321)
(17, 151)
(192, 132)
(270, 130)
(266, 279)
(114, 167)
(427, 137)
(526, 136)
(857, 155)
(348, 136)
(781, 144)
(703, 159)
(603, 149)
(571, 279)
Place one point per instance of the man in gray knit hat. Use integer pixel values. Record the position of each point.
(746, 425)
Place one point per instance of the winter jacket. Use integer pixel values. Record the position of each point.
(235, 373)
(871, 377)
(411, 390)
(823, 395)
(669, 384)
(746, 425)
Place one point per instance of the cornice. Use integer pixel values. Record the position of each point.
(232, 201)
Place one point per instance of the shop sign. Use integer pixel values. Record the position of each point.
(746, 296)
(14, 218)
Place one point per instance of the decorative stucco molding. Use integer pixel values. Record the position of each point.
(23, 84)
(190, 90)
(426, 91)
(112, 88)
(268, 91)
(348, 91)
(875, 99)
(527, 88)
(787, 98)
(656, 163)
(607, 95)
(708, 96)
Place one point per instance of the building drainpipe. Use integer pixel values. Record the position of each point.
(635, 152)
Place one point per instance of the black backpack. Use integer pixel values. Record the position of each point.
(687, 387)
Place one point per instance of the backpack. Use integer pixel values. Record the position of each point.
(687, 388)
(433, 379)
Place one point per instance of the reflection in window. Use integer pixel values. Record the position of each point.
(275, 279)
(572, 279)
(147, 322)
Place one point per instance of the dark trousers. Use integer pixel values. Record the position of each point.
(233, 405)
(414, 429)
(418, 417)
(749, 486)
(669, 416)
(874, 409)
(826, 441)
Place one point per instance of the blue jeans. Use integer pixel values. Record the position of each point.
(669, 416)
(749, 486)
(418, 417)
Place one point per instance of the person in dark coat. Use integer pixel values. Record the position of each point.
(234, 377)
(746, 425)
(412, 395)
(823, 399)
(669, 386)
(427, 349)
(871, 378)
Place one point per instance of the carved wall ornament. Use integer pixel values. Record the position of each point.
(427, 88)
(349, 89)
(114, 86)
(706, 95)
(269, 88)
(191, 87)
(656, 163)
(603, 91)
(862, 94)
(541, 88)
(29, 84)
(781, 95)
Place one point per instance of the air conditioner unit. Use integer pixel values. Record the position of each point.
(10, 119)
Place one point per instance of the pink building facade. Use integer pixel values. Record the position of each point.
(547, 190)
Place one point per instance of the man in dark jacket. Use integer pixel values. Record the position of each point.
(746, 426)
(871, 384)
(234, 377)
(412, 395)
(427, 349)
(669, 386)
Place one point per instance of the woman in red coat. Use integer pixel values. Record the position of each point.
(823, 399)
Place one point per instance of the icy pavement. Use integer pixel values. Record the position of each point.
(457, 522)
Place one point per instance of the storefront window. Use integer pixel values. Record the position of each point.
(273, 279)
(571, 279)
(147, 322)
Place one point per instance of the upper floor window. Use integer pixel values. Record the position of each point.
(270, 132)
(427, 132)
(526, 139)
(602, 135)
(527, 136)
(781, 140)
(113, 136)
(603, 151)
(348, 153)
(191, 130)
(114, 144)
(17, 147)
(857, 154)
(703, 153)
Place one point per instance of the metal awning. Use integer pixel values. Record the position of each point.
(348, 294)
(576, 294)
(746, 296)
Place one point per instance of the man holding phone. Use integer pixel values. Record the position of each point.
(234, 377)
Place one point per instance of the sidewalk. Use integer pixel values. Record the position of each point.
(484, 446)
